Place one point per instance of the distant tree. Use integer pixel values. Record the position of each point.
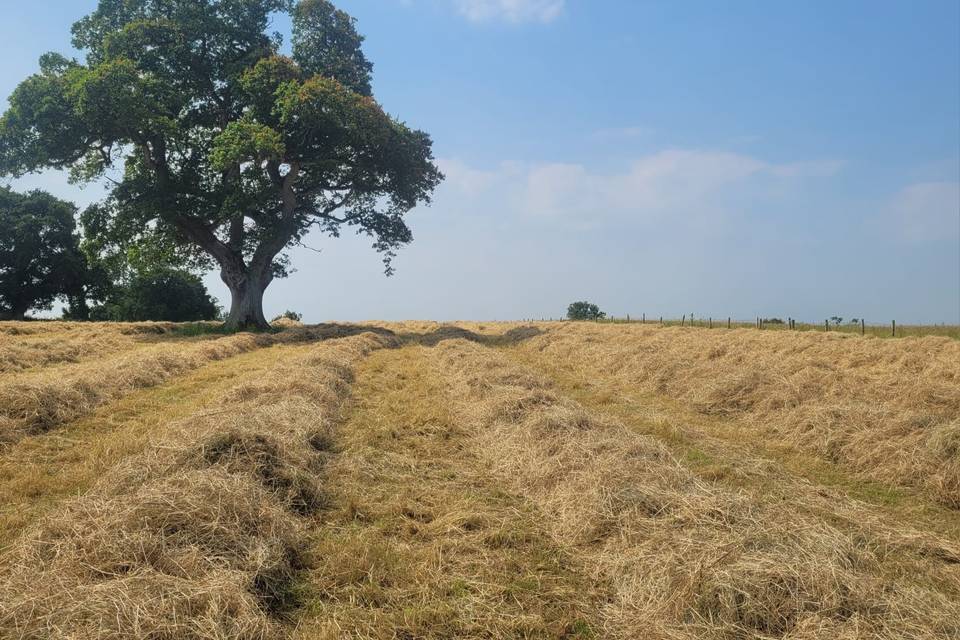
(289, 315)
(584, 311)
(40, 258)
(228, 149)
(837, 320)
(93, 285)
(773, 321)
(168, 295)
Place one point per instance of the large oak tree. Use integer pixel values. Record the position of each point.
(213, 138)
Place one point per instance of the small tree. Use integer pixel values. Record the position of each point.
(584, 311)
(289, 315)
(837, 320)
(40, 258)
(168, 295)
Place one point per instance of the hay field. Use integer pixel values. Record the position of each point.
(477, 480)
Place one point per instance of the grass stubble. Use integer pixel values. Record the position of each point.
(420, 540)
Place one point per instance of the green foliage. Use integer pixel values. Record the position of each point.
(245, 141)
(226, 148)
(289, 315)
(326, 43)
(584, 311)
(773, 321)
(162, 295)
(40, 257)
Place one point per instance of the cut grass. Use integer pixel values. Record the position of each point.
(200, 536)
(483, 482)
(420, 542)
(38, 472)
(48, 398)
(885, 410)
(716, 448)
(690, 558)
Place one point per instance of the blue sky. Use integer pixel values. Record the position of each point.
(741, 158)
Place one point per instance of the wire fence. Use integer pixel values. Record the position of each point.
(859, 326)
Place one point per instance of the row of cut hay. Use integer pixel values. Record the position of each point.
(33, 328)
(40, 401)
(31, 353)
(201, 537)
(888, 410)
(686, 559)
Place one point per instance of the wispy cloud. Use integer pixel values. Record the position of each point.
(513, 11)
(699, 184)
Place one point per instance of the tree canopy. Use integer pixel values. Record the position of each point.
(40, 258)
(584, 311)
(217, 143)
(162, 294)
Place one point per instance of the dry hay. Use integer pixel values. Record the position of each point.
(31, 345)
(200, 537)
(28, 353)
(285, 323)
(38, 402)
(882, 408)
(44, 400)
(50, 327)
(686, 558)
(421, 541)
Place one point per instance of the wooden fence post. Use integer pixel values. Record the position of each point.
(728, 322)
(894, 328)
(711, 323)
(826, 325)
(683, 320)
(644, 320)
(863, 327)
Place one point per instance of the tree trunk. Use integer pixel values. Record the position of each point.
(246, 304)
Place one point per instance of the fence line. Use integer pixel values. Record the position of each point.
(857, 326)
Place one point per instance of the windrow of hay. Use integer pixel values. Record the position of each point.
(28, 353)
(63, 342)
(40, 401)
(885, 409)
(202, 537)
(687, 559)
(33, 328)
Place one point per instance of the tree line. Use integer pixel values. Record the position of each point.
(43, 258)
